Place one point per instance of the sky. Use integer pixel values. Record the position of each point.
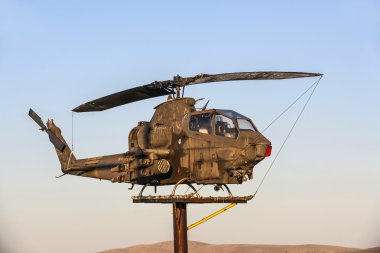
(55, 55)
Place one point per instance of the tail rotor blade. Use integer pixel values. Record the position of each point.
(58, 144)
(37, 119)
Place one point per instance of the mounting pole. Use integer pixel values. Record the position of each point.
(179, 203)
(180, 227)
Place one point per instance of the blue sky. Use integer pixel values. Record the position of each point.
(55, 55)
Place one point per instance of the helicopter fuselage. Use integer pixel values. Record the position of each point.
(179, 142)
(207, 147)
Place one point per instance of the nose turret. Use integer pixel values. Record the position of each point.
(257, 147)
(263, 150)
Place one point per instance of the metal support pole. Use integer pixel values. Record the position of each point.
(180, 227)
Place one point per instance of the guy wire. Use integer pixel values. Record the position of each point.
(72, 131)
(295, 101)
(287, 137)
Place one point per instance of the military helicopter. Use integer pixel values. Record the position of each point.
(180, 144)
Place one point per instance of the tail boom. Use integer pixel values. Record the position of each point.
(137, 167)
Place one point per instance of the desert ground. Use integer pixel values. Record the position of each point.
(200, 247)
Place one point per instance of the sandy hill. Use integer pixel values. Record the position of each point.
(200, 247)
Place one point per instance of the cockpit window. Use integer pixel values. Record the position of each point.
(245, 124)
(232, 114)
(201, 123)
(225, 126)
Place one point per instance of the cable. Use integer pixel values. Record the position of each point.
(287, 137)
(72, 131)
(295, 101)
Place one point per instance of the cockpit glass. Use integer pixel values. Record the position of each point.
(225, 126)
(245, 124)
(201, 123)
(232, 114)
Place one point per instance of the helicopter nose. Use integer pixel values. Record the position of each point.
(257, 147)
(263, 150)
(258, 152)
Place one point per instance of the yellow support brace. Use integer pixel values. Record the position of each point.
(211, 216)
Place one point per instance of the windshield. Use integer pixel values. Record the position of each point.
(245, 124)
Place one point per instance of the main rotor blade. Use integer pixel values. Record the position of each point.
(154, 89)
(162, 88)
(205, 78)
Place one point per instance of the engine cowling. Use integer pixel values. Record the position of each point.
(160, 136)
(138, 137)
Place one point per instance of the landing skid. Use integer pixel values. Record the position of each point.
(190, 200)
(193, 197)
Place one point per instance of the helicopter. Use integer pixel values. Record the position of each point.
(180, 144)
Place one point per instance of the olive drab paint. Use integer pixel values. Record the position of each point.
(206, 146)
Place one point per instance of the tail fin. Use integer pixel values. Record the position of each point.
(64, 153)
(66, 156)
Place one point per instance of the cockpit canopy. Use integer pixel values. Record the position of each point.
(225, 123)
(243, 122)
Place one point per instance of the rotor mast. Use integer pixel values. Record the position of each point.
(178, 83)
